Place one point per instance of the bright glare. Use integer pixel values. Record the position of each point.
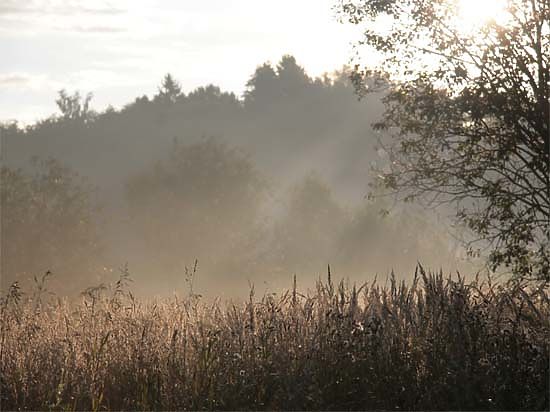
(474, 13)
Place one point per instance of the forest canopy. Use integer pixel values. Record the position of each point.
(257, 188)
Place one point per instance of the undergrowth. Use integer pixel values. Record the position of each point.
(434, 344)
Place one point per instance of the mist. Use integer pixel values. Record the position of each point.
(243, 190)
(313, 205)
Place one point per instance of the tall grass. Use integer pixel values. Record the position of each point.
(435, 344)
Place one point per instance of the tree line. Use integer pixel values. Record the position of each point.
(258, 184)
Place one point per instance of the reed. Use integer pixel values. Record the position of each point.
(437, 343)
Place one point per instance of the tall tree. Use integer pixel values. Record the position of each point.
(263, 87)
(292, 77)
(468, 107)
(169, 90)
(73, 107)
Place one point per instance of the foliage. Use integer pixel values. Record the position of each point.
(469, 110)
(309, 229)
(169, 91)
(262, 86)
(315, 125)
(202, 199)
(48, 223)
(268, 86)
(436, 344)
(315, 228)
(73, 107)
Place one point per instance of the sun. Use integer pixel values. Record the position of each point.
(475, 13)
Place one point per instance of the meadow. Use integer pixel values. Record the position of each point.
(434, 343)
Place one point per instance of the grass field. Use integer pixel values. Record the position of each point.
(434, 344)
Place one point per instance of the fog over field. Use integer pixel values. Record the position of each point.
(290, 205)
(255, 188)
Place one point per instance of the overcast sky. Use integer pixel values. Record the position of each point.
(121, 49)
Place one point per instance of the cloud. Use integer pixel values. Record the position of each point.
(52, 7)
(20, 81)
(14, 80)
(97, 11)
(94, 29)
(26, 114)
(42, 17)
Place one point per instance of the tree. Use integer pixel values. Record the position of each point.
(48, 223)
(292, 77)
(268, 87)
(263, 87)
(468, 110)
(305, 236)
(169, 90)
(202, 201)
(74, 107)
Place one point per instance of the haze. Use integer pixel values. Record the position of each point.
(253, 156)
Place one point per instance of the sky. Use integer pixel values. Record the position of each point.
(121, 49)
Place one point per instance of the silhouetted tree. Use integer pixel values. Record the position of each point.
(267, 87)
(263, 87)
(292, 77)
(169, 90)
(73, 107)
(472, 124)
